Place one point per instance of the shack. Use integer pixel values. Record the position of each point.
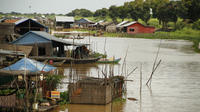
(64, 22)
(84, 23)
(12, 80)
(136, 28)
(119, 26)
(44, 44)
(111, 28)
(24, 25)
(103, 25)
(10, 53)
(7, 32)
(98, 91)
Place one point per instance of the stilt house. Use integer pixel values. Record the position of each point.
(44, 44)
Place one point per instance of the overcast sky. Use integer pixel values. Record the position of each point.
(55, 6)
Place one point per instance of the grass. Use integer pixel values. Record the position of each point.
(117, 100)
(183, 34)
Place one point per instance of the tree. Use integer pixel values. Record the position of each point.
(192, 8)
(167, 12)
(123, 10)
(135, 9)
(81, 12)
(101, 12)
(113, 13)
(145, 12)
(154, 4)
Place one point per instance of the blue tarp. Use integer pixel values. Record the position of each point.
(30, 65)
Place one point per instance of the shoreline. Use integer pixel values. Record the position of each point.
(160, 35)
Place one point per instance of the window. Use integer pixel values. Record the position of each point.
(131, 29)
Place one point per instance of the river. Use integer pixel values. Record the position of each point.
(175, 85)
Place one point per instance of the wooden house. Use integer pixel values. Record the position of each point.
(44, 44)
(119, 26)
(22, 26)
(111, 28)
(103, 25)
(136, 28)
(84, 23)
(64, 21)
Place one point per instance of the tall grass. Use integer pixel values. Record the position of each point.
(183, 34)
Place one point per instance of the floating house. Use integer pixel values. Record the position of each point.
(98, 91)
(136, 27)
(44, 44)
(84, 23)
(22, 26)
(64, 21)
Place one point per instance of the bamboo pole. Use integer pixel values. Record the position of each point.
(141, 88)
(154, 66)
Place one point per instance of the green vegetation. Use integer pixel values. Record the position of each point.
(184, 34)
(117, 100)
(53, 81)
(96, 54)
(6, 91)
(181, 17)
(64, 98)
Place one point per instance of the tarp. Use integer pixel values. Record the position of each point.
(30, 65)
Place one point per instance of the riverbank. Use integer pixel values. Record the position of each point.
(183, 34)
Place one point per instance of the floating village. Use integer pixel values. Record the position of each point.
(31, 49)
(99, 56)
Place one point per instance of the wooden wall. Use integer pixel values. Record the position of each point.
(12, 47)
(6, 30)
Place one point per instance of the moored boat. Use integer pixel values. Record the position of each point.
(112, 60)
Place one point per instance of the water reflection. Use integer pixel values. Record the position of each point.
(111, 107)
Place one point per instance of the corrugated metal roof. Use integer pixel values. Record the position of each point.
(21, 21)
(128, 24)
(2, 19)
(64, 19)
(49, 37)
(99, 22)
(84, 20)
(26, 19)
(10, 20)
(88, 20)
(122, 23)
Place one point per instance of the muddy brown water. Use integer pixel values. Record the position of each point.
(175, 85)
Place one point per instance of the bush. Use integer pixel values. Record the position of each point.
(52, 81)
(154, 22)
(180, 25)
(64, 97)
(196, 25)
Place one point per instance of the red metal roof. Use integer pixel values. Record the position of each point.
(11, 20)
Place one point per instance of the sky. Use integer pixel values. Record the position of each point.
(55, 6)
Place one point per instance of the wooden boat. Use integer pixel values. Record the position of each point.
(64, 60)
(112, 60)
